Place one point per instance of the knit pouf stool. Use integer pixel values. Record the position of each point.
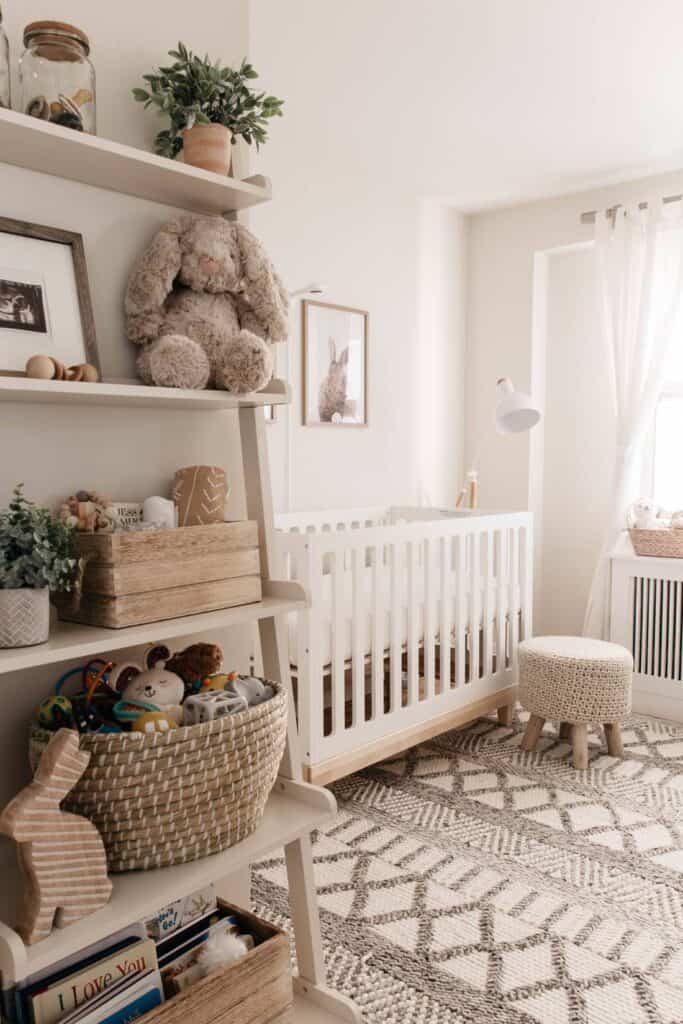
(574, 681)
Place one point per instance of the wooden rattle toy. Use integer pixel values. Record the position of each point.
(48, 368)
(61, 855)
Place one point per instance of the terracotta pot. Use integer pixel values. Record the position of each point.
(24, 617)
(208, 146)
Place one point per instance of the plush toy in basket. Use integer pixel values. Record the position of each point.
(160, 792)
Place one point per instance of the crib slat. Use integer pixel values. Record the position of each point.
(338, 630)
(475, 605)
(501, 603)
(429, 616)
(413, 625)
(514, 595)
(445, 625)
(460, 610)
(378, 631)
(357, 611)
(488, 604)
(396, 667)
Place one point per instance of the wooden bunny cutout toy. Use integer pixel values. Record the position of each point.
(61, 855)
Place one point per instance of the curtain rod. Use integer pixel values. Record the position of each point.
(589, 216)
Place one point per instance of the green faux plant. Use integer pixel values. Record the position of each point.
(194, 90)
(36, 549)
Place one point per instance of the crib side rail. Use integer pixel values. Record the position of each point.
(408, 622)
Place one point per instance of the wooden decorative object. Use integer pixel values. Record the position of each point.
(138, 577)
(61, 855)
(200, 493)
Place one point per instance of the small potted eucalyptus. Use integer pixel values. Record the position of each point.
(209, 107)
(37, 555)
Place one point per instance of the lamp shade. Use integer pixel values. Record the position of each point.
(515, 411)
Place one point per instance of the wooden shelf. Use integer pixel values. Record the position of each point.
(293, 810)
(135, 395)
(72, 640)
(50, 149)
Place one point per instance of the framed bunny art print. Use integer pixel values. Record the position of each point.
(335, 362)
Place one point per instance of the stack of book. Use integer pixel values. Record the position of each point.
(124, 976)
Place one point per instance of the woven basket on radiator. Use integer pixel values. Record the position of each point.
(657, 543)
(168, 798)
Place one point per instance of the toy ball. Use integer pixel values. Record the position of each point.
(54, 712)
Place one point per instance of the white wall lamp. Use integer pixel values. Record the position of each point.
(314, 288)
(515, 413)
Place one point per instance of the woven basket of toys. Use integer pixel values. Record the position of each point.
(167, 793)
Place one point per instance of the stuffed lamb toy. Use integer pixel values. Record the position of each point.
(205, 304)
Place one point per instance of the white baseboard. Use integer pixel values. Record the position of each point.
(658, 704)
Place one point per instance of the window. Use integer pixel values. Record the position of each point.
(667, 463)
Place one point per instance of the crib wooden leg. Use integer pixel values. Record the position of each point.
(533, 731)
(506, 715)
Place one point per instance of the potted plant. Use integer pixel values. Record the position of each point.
(36, 556)
(209, 107)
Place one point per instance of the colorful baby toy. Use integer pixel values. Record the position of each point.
(151, 698)
(163, 693)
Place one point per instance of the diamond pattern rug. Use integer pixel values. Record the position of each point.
(468, 881)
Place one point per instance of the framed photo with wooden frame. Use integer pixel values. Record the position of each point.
(45, 304)
(335, 365)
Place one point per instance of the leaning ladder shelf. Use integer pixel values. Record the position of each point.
(294, 808)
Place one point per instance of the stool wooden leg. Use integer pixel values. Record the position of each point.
(566, 732)
(506, 715)
(615, 746)
(580, 745)
(532, 733)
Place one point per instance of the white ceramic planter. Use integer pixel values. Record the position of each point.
(24, 617)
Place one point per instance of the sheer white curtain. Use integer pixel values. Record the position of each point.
(640, 266)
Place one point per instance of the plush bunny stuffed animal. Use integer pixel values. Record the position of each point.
(205, 304)
(153, 685)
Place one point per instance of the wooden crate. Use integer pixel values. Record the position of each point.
(255, 990)
(134, 578)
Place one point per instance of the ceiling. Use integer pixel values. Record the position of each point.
(478, 102)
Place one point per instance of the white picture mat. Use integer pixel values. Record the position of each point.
(51, 266)
(347, 328)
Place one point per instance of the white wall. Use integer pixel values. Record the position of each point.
(367, 232)
(512, 265)
(54, 449)
(577, 448)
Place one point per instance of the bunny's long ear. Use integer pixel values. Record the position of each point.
(266, 309)
(151, 282)
(344, 357)
(333, 350)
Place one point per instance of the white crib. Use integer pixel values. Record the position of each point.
(414, 620)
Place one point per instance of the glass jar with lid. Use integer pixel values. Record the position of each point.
(57, 79)
(4, 67)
